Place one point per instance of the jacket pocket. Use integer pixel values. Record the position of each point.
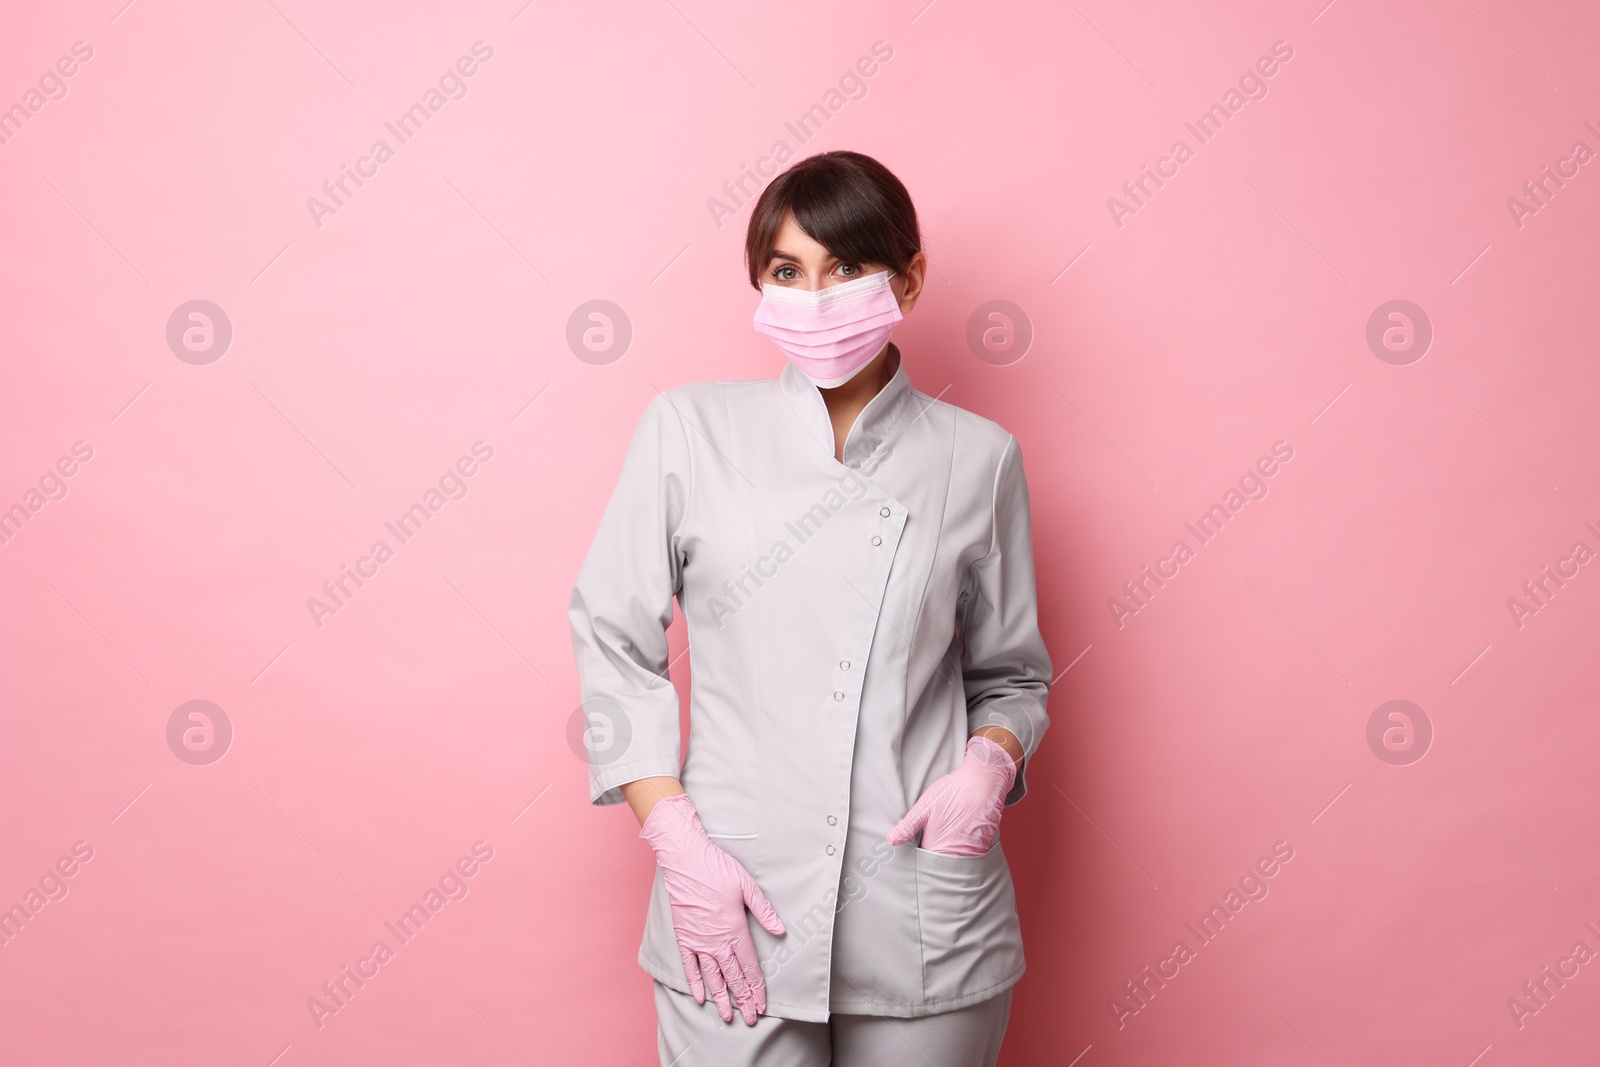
(967, 915)
(741, 847)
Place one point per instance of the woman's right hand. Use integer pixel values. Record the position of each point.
(709, 891)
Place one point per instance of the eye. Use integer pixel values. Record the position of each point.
(785, 273)
(849, 270)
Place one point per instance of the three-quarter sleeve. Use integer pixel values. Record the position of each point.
(621, 607)
(1004, 666)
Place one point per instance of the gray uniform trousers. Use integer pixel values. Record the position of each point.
(694, 1035)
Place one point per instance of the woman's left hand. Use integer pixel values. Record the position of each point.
(959, 813)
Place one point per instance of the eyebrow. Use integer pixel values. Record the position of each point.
(776, 254)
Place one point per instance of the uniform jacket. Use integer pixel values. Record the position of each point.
(850, 624)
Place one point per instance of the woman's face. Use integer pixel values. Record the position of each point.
(799, 262)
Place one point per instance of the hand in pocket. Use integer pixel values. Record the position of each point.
(959, 813)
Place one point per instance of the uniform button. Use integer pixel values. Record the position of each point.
(884, 512)
(877, 540)
(830, 850)
(838, 695)
(844, 665)
(832, 821)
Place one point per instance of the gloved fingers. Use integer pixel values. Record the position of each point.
(744, 951)
(759, 905)
(691, 970)
(946, 825)
(958, 832)
(916, 818)
(718, 987)
(742, 995)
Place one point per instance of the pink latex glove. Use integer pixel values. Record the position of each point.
(959, 813)
(709, 891)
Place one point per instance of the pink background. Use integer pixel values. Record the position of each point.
(431, 309)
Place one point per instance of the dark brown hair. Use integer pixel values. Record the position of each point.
(849, 203)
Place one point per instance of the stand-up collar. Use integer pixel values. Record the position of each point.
(873, 426)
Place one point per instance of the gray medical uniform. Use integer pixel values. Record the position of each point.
(850, 625)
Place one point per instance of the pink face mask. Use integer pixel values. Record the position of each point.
(830, 334)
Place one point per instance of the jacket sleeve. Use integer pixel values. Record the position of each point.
(621, 607)
(1004, 666)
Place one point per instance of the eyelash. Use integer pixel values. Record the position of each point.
(777, 272)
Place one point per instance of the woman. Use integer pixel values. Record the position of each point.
(854, 562)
